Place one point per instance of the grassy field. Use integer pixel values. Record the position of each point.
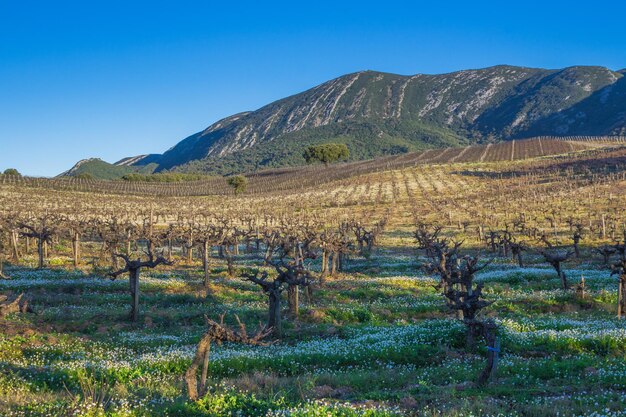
(375, 340)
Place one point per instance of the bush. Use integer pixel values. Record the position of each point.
(12, 171)
(239, 183)
(326, 153)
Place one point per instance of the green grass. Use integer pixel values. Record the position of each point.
(376, 341)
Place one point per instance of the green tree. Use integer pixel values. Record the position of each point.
(239, 183)
(12, 171)
(326, 153)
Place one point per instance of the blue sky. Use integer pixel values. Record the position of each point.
(111, 79)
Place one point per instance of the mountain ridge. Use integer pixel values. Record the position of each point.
(378, 113)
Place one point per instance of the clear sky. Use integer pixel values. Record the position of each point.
(112, 78)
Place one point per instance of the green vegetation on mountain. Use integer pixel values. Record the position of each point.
(99, 169)
(288, 150)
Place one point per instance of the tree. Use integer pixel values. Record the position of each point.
(326, 153)
(287, 275)
(364, 238)
(41, 229)
(462, 294)
(442, 258)
(208, 235)
(218, 333)
(111, 231)
(13, 172)
(606, 252)
(133, 267)
(466, 297)
(239, 183)
(555, 258)
(336, 244)
(297, 244)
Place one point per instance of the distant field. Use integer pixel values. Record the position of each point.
(301, 177)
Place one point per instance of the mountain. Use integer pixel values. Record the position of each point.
(378, 113)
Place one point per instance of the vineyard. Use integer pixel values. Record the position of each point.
(486, 280)
(303, 177)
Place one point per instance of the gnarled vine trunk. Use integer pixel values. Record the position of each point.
(205, 262)
(621, 296)
(76, 248)
(195, 388)
(2, 268)
(134, 293)
(217, 332)
(294, 300)
(17, 304)
(273, 319)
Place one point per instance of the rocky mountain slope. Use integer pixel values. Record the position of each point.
(378, 113)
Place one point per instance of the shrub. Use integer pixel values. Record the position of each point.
(239, 183)
(12, 171)
(326, 153)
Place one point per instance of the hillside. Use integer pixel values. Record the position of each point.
(380, 114)
(100, 169)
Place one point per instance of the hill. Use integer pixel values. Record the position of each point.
(97, 168)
